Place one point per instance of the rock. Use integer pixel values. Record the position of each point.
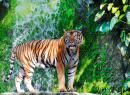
(48, 93)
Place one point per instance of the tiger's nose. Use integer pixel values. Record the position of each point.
(71, 41)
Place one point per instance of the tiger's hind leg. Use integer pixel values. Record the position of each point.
(19, 79)
(29, 74)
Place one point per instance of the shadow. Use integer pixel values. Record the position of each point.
(3, 11)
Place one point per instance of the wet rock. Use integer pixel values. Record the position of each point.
(3, 11)
(49, 93)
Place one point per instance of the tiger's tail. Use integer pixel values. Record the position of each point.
(11, 65)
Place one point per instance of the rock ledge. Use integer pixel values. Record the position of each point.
(48, 93)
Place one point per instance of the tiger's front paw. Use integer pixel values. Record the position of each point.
(62, 90)
(34, 91)
(72, 90)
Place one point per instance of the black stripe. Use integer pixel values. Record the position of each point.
(41, 46)
(32, 44)
(11, 68)
(48, 65)
(48, 41)
(26, 58)
(14, 52)
(65, 41)
(12, 63)
(63, 63)
(72, 67)
(67, 49)
(70, 76)
(21, 67)
(24, 76)
(52, 66)
(37, 57)
(31, 66)
(76, 61)
(36, 45)
(71, 72)
(66, 59)
(33, 63)
(54, 62)
(37, 53)
(7, 79)
(44, 63)
(12, 59)
(10, 73)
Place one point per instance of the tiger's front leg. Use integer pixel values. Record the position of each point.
(61, 77)
(71, 75)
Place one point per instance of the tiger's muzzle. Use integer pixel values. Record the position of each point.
(72, 45)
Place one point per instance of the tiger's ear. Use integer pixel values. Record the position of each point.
(80, 30)
(65, 31)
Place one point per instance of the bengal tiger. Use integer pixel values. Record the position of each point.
(59, 53)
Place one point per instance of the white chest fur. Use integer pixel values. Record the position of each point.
(70, 61)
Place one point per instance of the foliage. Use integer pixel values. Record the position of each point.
(116, 18)
(90, 76)
(87, 78)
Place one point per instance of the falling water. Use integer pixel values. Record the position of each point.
(36, 19)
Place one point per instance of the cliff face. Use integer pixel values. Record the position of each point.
(113, 66)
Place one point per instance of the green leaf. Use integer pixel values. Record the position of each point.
(125, 85)
(113, 22)
(99, 15)
(122, 48)
(127, 39)
(69, 12)
(117, 13)
(71, 24)
(122, 34)
(123, 37)
(105, 27)
(114, 9)
(128, 16)
(121, 16)
(127, 42)
(102, 5)
(78, 27)
(110, 6)
(105, 1)
(125, 7)
(124, 1)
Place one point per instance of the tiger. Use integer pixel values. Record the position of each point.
(47, 53)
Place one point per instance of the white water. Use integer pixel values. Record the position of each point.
(35, 19)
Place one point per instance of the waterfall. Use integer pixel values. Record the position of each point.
(35, 19)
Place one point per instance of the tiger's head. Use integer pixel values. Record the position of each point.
(72, 38)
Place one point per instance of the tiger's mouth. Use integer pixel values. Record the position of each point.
(72, 46)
